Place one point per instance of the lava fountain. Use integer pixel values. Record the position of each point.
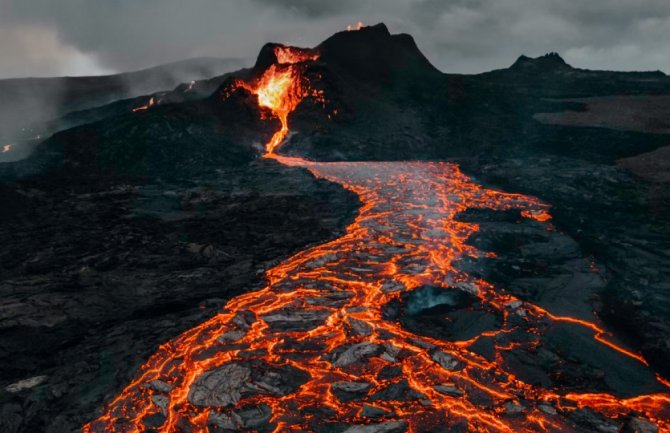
(313, 350)
(282, 87)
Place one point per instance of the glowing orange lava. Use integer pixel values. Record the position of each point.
(292, 55)
(282, 87)
(359, 25)
(322, 314)
(145, 107)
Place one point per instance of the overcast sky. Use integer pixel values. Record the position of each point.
(79, 37)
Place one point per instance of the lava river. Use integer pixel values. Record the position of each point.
(314, 351)
(313, 348)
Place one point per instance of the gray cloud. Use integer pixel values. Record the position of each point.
(37, 50)
(88, 36)
(310, 8)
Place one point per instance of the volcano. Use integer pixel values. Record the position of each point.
(344, 239)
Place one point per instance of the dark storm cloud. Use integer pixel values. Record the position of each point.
(43, 37)
(311, 8)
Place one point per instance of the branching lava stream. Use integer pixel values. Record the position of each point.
(313, 351)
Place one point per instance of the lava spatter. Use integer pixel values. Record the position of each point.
(314, 348)
(292, 55)
(282, 87)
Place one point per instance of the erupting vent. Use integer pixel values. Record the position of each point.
(282, 87)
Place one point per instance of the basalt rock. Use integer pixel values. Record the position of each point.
(347, 391)
(347, 355)
(221, 387)
(227, 385)
(387, 427)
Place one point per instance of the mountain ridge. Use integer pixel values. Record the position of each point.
(27, 101)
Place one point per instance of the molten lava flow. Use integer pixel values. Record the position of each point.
(292, 55)
(145, 107)
(359, 25)
(314, 349)
(7, 147)
(322, 314)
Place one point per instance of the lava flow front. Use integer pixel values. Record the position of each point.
(315, 350)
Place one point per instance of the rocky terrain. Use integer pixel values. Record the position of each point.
(98, 273)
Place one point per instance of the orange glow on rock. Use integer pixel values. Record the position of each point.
(145, 107)
(540, 215)
(359, 25)
(290, 55)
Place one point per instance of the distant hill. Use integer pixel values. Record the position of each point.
(26, 101)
